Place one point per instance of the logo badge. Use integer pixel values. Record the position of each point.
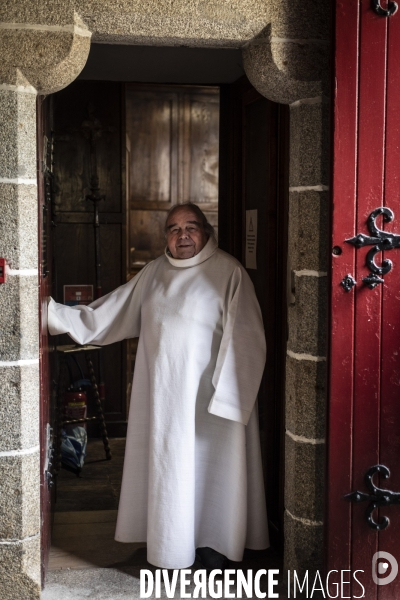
(382, 567)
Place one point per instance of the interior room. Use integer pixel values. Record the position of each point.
(140, 130)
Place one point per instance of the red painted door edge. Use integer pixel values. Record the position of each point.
(341, 346)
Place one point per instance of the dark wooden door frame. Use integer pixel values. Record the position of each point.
(233, 101)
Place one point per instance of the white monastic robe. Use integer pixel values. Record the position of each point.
(192, 472)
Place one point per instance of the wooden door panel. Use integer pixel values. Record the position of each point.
(364, 420)
(202, 142)
(76, 240)
(80, 106)
(340, 409)
(152, 126)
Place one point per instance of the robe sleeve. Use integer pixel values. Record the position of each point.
(242, 353)
(109, 319)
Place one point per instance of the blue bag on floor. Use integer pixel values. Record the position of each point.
(73, 448)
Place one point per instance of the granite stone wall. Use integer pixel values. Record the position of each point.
(19, 353)
(288, 62)
(307, 343)
(42, 48)
(44, 45)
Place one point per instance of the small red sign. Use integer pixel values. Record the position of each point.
(2, 270)
(78, 294)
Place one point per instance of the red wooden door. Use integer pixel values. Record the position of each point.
(44, 162)
(364, 406)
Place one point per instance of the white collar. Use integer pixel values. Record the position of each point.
(203, 255)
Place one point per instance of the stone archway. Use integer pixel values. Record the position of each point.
(44, 46)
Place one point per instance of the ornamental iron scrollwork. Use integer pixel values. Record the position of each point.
(382, 240)
(377, 497)
(383, 12)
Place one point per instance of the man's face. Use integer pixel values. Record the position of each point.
(185, 234)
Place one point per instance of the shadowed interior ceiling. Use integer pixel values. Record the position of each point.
(156, 64)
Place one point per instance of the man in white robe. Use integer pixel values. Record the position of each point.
(192, 473)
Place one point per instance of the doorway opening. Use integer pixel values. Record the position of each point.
(177, 132)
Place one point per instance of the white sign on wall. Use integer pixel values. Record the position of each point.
(251, 239)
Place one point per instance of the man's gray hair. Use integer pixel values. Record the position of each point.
(208, 228)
